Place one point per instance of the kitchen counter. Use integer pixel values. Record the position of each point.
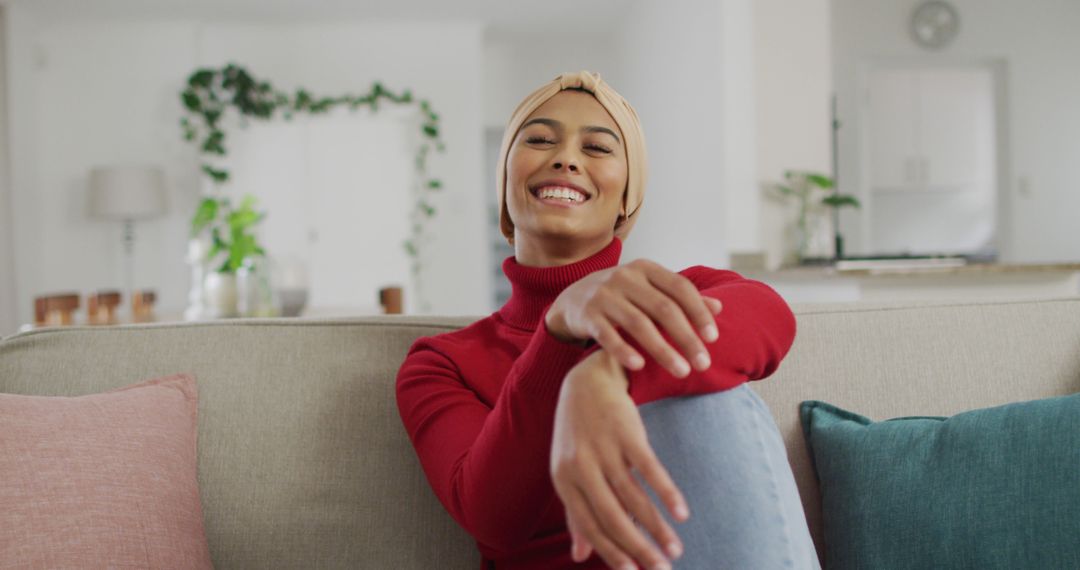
(817, 284)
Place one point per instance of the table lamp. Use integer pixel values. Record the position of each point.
(126, 194)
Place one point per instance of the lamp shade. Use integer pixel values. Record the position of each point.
(127, 192)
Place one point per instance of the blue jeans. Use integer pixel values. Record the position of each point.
(726, 455)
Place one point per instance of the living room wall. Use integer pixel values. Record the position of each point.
(689, 76)
(1037, 42)
(87, 91)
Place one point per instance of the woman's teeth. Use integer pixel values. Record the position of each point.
(561, 193)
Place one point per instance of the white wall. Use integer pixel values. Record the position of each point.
(7, 256)
(91, 91)
(793, 79)
(689, 83)
(1038, 44)
(516, 64)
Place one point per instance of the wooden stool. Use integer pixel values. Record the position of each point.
(142, 306)
(391, 300)
(51, 310)
(101, 308)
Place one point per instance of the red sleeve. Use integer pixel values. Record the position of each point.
(488, 466)
(756, 328)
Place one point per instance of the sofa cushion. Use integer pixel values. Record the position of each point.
(103, 480)
(990, 488)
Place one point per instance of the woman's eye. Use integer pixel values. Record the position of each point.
(598, 148)
(538, 140)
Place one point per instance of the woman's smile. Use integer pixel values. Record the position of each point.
(560, 193)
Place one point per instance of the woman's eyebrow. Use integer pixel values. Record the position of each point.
(558, 126)
(592, 129)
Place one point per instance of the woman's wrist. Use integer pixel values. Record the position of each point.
(603, 366)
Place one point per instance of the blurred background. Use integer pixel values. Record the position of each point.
(952, 125)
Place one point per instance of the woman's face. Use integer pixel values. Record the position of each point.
(566, 171)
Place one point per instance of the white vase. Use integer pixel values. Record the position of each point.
(813, 236)
(196, 259)
(219, 294)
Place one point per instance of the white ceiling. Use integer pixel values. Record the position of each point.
(503, 17)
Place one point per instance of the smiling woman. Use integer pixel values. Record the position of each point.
(534, 425)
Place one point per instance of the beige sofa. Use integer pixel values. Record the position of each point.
(303, 461)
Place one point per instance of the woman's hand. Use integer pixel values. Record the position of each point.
(636, 297)
(598, 438)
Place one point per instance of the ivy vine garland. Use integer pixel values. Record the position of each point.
(210, 92)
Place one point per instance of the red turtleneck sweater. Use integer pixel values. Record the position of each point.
(479, 403)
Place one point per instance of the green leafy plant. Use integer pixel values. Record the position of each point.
(812, 191)
(211, 92)
(231, 231)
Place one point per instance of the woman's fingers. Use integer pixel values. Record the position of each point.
(638, 503)
(607, 337)
(669, 315)
(693, 304)
(580, 549)
(613, 519)
(644, 459)
(638, 325)
(579, 510)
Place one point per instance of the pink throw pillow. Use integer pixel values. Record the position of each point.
(104, 480)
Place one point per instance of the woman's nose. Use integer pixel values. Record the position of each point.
(570, 164)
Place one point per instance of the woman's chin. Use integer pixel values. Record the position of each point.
(555, 231)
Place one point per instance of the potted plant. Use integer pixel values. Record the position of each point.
(817, 199)
(233, 246)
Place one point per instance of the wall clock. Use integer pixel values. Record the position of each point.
(934, 24)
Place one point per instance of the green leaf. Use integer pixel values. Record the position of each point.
(434, 184)
(204, 214)
(217, 241)
(202, 78)
(785, 190)
(431, 131)
(841, 200)
(212, 116)
(191, 101)
(218, 176)
(213, 143)
(820, 180)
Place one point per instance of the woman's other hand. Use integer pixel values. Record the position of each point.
(598, 438)
(636, 297)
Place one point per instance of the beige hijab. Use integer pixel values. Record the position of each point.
(625, 117)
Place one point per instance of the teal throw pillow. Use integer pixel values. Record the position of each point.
(990, 488)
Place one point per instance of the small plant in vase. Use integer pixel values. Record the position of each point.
(233, 246)
(815, 239)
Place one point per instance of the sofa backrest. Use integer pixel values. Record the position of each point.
(303, 460)
(907, 359)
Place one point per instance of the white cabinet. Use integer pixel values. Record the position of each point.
(930, 128)
(929, 168)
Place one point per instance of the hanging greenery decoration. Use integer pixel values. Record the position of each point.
(210, 92)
